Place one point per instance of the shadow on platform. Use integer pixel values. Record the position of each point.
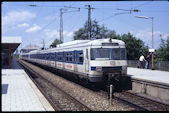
(14, 65)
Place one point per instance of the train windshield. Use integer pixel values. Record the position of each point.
(100, 54)
(118, 54)
(108, 54)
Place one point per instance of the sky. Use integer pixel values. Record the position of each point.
(38, 21)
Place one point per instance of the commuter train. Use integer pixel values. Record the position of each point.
(92, 60)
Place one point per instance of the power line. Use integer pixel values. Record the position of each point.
(107, 18)
(160, 11)
(48, 24)
(129, 11)
(31, 5)
(142, 4)
(96, 8)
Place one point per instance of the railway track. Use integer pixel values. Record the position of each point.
(139, 102)
(142, 102)
(86, 96)
(92, 100)
(58, 98)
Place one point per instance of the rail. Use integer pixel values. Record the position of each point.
(139, 102)
(56, 107)
(28, 71)
(143, 103)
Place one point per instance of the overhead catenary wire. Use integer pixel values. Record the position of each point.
(47, 24)
(129, 11)
(145, 3)
(96, 8)
(82, 8)
(61, 20)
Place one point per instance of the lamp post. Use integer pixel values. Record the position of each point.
(145, 17)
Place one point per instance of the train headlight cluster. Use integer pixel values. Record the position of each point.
(98, 68)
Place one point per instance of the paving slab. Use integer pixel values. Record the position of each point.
(147, 74)
(20, 93)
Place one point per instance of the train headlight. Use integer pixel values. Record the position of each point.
(98, 68)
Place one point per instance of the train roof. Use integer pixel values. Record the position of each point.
(77, 43)
(92, 42)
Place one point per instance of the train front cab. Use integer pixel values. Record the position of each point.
(107, 64)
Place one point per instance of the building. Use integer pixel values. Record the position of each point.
(8, 46)
(29, 48)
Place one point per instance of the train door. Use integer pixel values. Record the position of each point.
(87, 61)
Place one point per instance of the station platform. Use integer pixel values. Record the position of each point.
(153, 84)
(150, 75)
(19, 93)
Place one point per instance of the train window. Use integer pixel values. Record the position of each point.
(69, 57)
(100, 54)
(63, 56)
(43, 56)
(48, 56)
(75, 59)
(79, 57)
(56, 56)
(123, 54)
(60, 56)
(108, 54)
(52, 56)
(118, 54)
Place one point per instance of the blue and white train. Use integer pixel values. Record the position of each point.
(92, 60)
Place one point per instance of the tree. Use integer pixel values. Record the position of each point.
(55, 43)
(135, 47)
(163, 51)
(97, 32)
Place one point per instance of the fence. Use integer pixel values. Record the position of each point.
(158, 65)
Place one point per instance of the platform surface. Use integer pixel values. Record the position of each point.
(19, 93)
(148, 74)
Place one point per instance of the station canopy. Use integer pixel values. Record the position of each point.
(10, 42)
